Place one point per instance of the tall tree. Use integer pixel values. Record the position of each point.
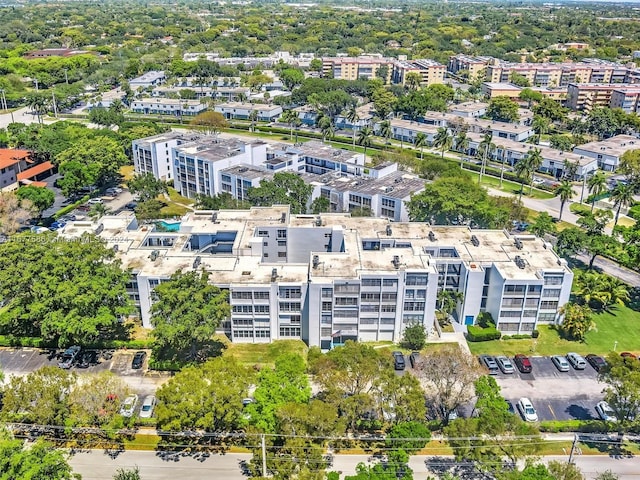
(597, 184)
(420, 141)
(364, 138)
(285, 188)
(485, 149)
(542, 225)
(146, 186)
(443, 140)
(211, 123)
(351, 115)
(622, 196)
(80, 295)
(502, 109)
(622, 393)
(13, 212)
(534, 162)
(565, 192)
(40, 197)
(186, 315)
(577, 321)
(326, 127)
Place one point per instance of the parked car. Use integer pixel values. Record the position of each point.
(628, 355)
(57, 225)
(69, 357)
(413, 359)
(138, 360)
(527, 411)
(561, 363)
(88, 358)
(129, 406)
(605, 412)
(398, 361)
(247, 401)
(576, 361)
(596, 361)
(505, 364)
(149, 403)
(489, 362)
(131, 206)
(523, 363)
(113, 191)
(94, 201)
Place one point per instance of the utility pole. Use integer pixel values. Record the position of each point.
(55, 107)
(573, 448)
(36, 80)
(264, 457)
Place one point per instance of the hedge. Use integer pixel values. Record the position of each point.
(70, 208)
(477, 334)
(584, 426)
(166, 365)
(517, 337)
(580, 209)
(39, 342)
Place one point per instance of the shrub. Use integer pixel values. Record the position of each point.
(478, 334)
(634, 212)
(521, 336)
(535, 334)
(486, 320)
(586, 426)
(166, 365)
(70, 208)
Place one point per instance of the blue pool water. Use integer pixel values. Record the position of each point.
(169, 225)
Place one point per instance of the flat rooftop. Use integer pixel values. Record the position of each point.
(241, 266)
(614, 146)
(247, 106)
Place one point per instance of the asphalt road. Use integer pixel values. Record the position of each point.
(555, 395)
(96, 465)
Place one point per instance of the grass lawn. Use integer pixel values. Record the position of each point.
(174, 196)
(142, 442)
(510, 187)
(173, 210)
(623, 221)
(263, 353)
(620, 325)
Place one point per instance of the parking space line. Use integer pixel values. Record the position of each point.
(552, 412)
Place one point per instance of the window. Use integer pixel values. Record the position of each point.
(345, 314)
(387, 202)
(243, 333)
(548, 305)
(241, 295)
(327, 293)
(242, 309)
(389, 282)
(551, 292)
(527, 327)
(416, 279)
(368, 321)
(514, 288)
(346, 301)
(261, 308)
(371, 282)
(261, 295)
(370, 297)
(290, 331)
(529, 313)
(535, 289)
(387, 321)
(263, 334)
(369, 308)
(262, 319)
(508, 327)
(553, 279)
(282, 243)
(414, 306)
(263, 233)
(326, 306)
(289, 306)
(389, 297)
(411, 318)
(242, 322)
(388, 308)
(512, 302)
(282, 254)
(510, 314)
(282, 234)
(326, 319)
(546, 317)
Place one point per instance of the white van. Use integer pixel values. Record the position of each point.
(576, 361)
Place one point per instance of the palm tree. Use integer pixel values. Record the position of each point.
(98, 210)
(364, 138)
(534, 161)
(253, 118)
(443, 140)
(622, 196)
(326, 128)
(486, 146)
(521, 169)
(565, 192)
(385, 130)
(597, 185)
(420, 142)
(462, 144)
(290, 117)
(540, 125)
(352, 117)
(501, 149)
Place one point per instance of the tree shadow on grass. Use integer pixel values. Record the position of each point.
(462, 469)
(611, 446)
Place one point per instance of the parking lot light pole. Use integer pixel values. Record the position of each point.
(573, 448)
(615, 345)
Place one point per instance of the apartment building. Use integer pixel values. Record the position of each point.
(430, 71)
(302, 60)
(628, 99)
(608, 152)
(242, 111)
(149, 79)
(475, 66)
(500, 89)
(167, 106)
(226, 94)
(330, 278)
(469, 109)
(353, 68)
(155, 154)
(12, 162)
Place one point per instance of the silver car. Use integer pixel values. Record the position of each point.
(561, 363)
(129, 406)
(149, 403)
(505, 364)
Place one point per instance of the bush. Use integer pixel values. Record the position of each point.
(70, 208)
(535, 334)
(485, 320)
(634, 212)
(517, 337)
(166, 365)
(580, 209)
(478, 334)
(585, 426)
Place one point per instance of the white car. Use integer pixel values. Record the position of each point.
(527, 411)
(149, 403)
(129, 406)
(605, 412)
(505, 365)
(113, 191)
(560, 362)
(94, 201)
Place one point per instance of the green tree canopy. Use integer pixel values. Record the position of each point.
(502, 109)
(146, 186)
(186, 314)
(40, 197)
(285, 189)
(622, 393)
(65, 291)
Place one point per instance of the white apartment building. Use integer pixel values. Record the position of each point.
(608, 152)
(242, 111)
(330, 278)
(155, 154)
(167, 106)
(227, 94)
(149, 79)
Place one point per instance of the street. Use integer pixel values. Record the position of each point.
(96, 465)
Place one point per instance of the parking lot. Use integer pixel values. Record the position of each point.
(22, 361)
(555, 395)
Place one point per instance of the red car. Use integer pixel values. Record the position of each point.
(523, 363)
(628, 355)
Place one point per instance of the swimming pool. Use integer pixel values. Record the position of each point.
(169, 225)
